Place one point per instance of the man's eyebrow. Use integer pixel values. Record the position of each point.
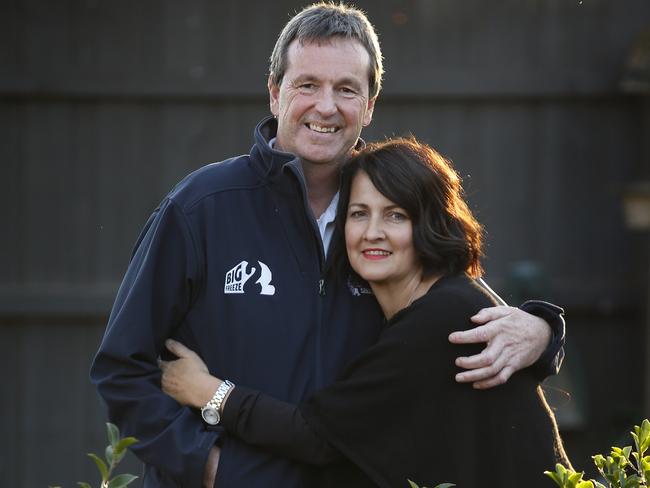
(349, 81)
(304, 77)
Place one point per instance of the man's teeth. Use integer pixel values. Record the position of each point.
(377, 253)
(319, 128)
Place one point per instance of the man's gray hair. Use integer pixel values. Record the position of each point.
(323, 21)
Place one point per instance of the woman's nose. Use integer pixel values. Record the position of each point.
(374, 230)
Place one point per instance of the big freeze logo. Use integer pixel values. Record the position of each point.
(237, 277)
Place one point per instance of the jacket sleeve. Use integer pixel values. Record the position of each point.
(151, 304)
(550, 361)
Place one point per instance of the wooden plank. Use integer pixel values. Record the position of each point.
(52, 369)
(11, 408)
(10, 176)
(439, 48)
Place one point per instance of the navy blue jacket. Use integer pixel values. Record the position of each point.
(231, 264)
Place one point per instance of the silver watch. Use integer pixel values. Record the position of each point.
(211, 413)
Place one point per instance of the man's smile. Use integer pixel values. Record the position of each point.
(322, 129)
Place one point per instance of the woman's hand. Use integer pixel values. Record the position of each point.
(187, 379)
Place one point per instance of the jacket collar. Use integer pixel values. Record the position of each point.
(267, 161)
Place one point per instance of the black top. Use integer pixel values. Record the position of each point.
(397, 413)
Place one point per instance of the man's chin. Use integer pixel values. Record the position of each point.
(321, 158)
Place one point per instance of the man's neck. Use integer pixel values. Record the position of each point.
(322, 184)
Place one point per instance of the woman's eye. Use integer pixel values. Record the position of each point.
(356, 214)
(397, 217)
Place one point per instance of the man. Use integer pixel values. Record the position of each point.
(234, 264)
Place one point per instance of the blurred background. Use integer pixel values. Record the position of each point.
(543, 105)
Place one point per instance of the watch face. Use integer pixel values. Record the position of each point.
(210, 415)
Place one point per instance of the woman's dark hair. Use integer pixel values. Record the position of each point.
(446, 236)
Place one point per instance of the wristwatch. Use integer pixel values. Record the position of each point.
(211, 412)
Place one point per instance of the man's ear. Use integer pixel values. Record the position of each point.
(274, 96)
(367, 117)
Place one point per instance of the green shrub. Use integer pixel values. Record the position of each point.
(114, 453)
(623, 468)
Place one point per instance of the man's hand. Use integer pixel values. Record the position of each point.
(187, 379)
(211, 465)
(515, 340)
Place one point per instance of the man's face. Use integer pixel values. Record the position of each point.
(322, 103)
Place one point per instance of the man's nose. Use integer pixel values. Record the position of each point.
(326, 103)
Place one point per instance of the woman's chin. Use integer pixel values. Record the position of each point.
(372, 278)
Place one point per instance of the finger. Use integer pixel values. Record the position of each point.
(493, 354)
(178, 349)
(499, 379)
(488, 314)
(491, 362)
(475, 375)
(483, 333)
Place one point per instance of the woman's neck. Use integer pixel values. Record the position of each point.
(395, 296)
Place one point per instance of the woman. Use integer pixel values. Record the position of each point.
(397, 413)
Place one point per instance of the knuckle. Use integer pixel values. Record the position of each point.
(490, 371)
(504, 375)
(490, 357)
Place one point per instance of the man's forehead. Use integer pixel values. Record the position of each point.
(302, 50)
(327, 42)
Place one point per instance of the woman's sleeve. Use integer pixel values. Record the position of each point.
(276, 426)
(367, 407)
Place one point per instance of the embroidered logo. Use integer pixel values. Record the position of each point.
(265, 280)
(357, 289)
(237, 277)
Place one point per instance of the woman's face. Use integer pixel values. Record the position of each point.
(378, 236)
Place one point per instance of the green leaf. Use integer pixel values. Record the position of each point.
(122, 480)
(626, 451)
(575, 477)
(83, 484)
(101, 465)
(108, 454)
(123, 444)
(599, 460)
(555, 477)
(444, 485)
(113, 433)
(413, 485)
(585, 484)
